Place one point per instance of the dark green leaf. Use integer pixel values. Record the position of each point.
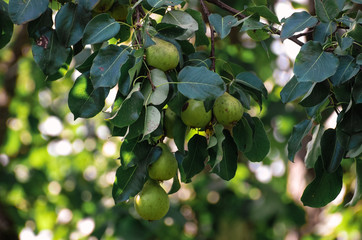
(220, 137)
(156, 93)
(170, 30)
(316, 95)
(352, 119)
(345, 42)
(130, 181)
(101, 28)
(84, 101)
(251, 81)
(40, 25)
(23, 11)
(358, 187)
(239, 92)
(176, 185)
(183, 20)
(200, 34)
(326, 10)
(200, 83)
(315, 112)
(193, 163)
(88, 4)
(179, 133)
(265, 12)
(87, 64)
(314, 147)
(359, 59)
(261, 144)
(357, 89)
(311, 59)
(243, 135)
(106, 68)
(251, 24)
(324, 188)
(221, 24)
(133, 152)
(347, 69)
(323, 30)
(356, 32)
(49, 53)
(136, 129)
(160, 3)
(70, 22)
(294, 89)
(226, 169)
(259, 34)
(295, 141)
(332, 151)
(297, 22)
(129, 111)
(6, 27)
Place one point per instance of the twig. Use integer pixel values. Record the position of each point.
(137, 18)
(212, 53)
(241, 16)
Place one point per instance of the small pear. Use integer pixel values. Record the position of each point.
(227, 110)
(103, 6)
(169, 122)
(194, 115)
(165, 167)
(152, 202)
(163, 55)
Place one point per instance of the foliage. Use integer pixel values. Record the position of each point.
(327, 74)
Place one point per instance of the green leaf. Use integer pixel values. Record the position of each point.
(261, 144)
(200, 83)
(359, 59)
(70, 22)
(314, 147)
(326, 10)
(295, 141)
(101, 28)
(344, 42)
(41, 24)
(193, 163)
(49, 53)
(6, 27)
(243, 135)
(294, 89)
(220, 137)
(311, 59)
(347, 69)
(152, 120)
(88, 4)
(170, 30)
(84, 101)
(265, 12)
(129, 111)
(351, 120)
(357, 195)
(132, 152)
(316, 95)
(160, 3)
(251, 81)
(221, 24)
(259, 34)
(135, 130)
(226, 169)
(251, 24)
(355, 31)
(323, 30)
(239, 92)
(200, 34)
(357, 89)
(130, 181)
(324, 188)
(332, 150)
(161, 87)
(23, 11)
(183, 20)
(176, 185)
(87, 64)
(106, 67)
(297, 22)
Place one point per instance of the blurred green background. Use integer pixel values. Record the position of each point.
(56, 174)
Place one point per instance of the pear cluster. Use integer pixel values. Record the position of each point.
(152, 202)
(118, 11)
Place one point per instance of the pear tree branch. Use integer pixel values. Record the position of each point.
(206, 12)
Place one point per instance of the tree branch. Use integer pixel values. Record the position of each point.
(241, 16)
(206, 16)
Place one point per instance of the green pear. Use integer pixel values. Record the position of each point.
(103, 6)
(169, 122)
(227, 110)
(152, 202)
(119, 12)
(165, 167)
(163, 55)
(194, 115)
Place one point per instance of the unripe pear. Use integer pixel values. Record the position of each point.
(103, 6)
(165, 167)
(169, 122)
(163, 55)
(194, 115)
(152, 202)
(227, 109)
(119, 12)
